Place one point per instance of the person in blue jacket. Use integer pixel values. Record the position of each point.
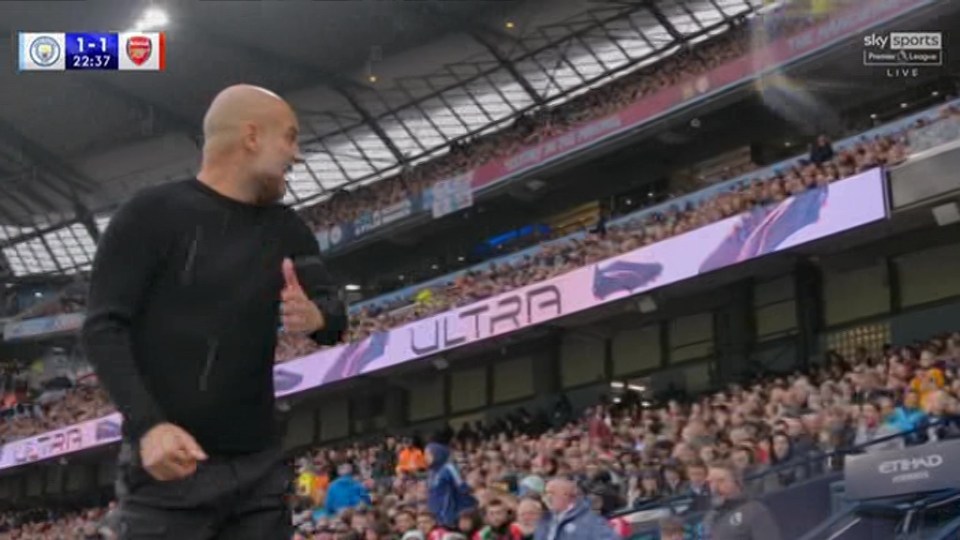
(909, 417)
(448, 493)
(345, 492)
(571, 517)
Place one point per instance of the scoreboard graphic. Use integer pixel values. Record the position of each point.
(99, 51)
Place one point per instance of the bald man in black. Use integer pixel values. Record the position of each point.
(190, 283)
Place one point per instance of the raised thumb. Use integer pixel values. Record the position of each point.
(290, 274)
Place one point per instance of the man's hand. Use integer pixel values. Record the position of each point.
(167, 452)
(298, 313)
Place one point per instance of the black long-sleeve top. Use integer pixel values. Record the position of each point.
(184, 309)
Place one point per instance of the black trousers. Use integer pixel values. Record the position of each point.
(228, 498)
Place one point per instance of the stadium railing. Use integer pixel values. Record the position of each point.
(645, 518)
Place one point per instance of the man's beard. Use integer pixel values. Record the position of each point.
(271, 191)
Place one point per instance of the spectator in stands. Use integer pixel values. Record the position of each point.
(410, 460)
(345, 492)
(405, 525)
(673, 484)
(429, 527)
(470, 523)
(619, 524)
(909, 418)
(821, 150)
(671, 528)
(873, 427)
(531, 485)
(790, 467)
(529, 514)
(942, 417)
(499, 523)
(387, 457)
(647, 489)
(449, 494)
(699, 488)
(570, 517)
(734, 515)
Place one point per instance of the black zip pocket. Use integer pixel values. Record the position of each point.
(213, 344)
(188, 272)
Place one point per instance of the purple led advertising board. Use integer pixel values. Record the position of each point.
(813, 215)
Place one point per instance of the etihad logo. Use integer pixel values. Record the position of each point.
(910, 469)
(931, 461)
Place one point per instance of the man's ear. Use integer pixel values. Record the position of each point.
(250, 136)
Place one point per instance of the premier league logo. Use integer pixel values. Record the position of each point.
(139, 49)
(45, 51)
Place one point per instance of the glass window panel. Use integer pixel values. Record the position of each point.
(708, 15)
(67, 246)
(7, 232)
(680, 18)
(35, 256)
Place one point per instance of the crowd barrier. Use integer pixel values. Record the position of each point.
(794, 519)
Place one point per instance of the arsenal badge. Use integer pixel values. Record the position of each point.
(139, 49)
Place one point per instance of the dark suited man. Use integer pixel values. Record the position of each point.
(190, 284)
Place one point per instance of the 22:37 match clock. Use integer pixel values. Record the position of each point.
(100, 51)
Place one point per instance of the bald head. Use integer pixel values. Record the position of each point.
(250, 142)
(239, 105)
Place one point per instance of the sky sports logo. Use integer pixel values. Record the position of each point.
(903, 54)
(901, 41)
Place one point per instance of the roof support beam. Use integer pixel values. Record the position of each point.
(167, 116)
(85, 217)
(509, 66)
(315, 72)
(371, 123)
(10, 218)
(35, 196)
(550, 43)
(413, 137)
(43, 158)
(423, 113)
(663, 20)
(314, 177)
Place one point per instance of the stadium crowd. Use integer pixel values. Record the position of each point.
(540, 125)
(558, 257)
(25, 416)
(622, 455)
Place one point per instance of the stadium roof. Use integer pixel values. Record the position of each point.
(444, 71)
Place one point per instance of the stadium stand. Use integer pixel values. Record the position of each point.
(886, 145)
(779, 431)
(532, 129)
(629, 455)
